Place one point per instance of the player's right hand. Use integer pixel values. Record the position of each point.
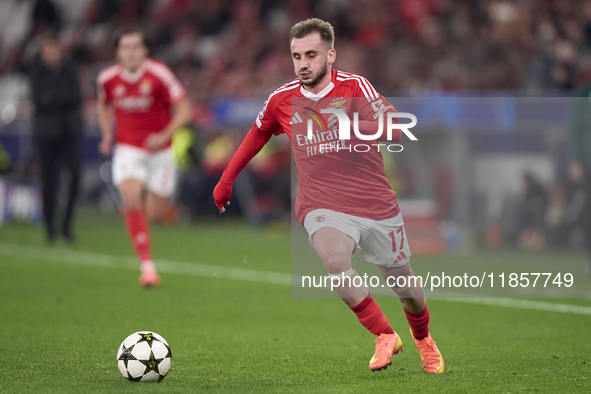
(221, 195)
(576, 172)
(106, 145)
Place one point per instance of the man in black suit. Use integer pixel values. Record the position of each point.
(57, 129)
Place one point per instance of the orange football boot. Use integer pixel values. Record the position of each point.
(149, 278)
(387, 345)
(431, 357)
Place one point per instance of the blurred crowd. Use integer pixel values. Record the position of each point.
(240, 48)
(541, 216)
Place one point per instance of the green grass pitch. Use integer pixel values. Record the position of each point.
(64, 312)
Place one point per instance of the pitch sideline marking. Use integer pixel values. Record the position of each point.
(243, 274)
(167, 266)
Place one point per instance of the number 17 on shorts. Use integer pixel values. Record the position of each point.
(398, 244)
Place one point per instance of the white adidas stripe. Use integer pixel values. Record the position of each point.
(296, 119)
(108, 73)
(341, 79)
(365, 94)
(368, 90)
(364, 81)
(284, 88)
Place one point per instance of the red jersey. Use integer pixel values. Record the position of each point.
(341, 180)
(142, 100)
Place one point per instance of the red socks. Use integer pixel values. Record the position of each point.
(419, 323)
(139, 234)
(370, 315)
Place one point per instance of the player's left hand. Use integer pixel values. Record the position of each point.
(221, 195)
(576, 172)
(106, 145)
(156, 141)
(223, 209)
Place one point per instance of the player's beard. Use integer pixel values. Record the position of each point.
(316, 81)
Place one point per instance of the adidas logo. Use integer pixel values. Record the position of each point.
(296, 119)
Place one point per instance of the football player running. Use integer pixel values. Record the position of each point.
(344, 199)
(149, 105)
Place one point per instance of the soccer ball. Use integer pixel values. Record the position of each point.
(144, 356)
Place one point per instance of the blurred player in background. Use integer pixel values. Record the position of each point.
(57, 128)
(361, 212)
(149, 105)
(580, 152)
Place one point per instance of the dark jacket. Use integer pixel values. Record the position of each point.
(57, 98)
(580, 128)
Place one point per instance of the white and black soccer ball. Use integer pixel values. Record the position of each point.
(144, 356)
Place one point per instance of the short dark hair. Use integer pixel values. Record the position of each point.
(122, 31)
(313, 25)
(49, 37)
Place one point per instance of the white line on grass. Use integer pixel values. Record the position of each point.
(526, 304)
(168, 266)
(249, 275)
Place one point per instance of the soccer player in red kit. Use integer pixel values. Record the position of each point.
(344, 199)
(149, 105)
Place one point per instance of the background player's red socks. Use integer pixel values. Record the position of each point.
(419, 323)
(139, 234)
(370, 315)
